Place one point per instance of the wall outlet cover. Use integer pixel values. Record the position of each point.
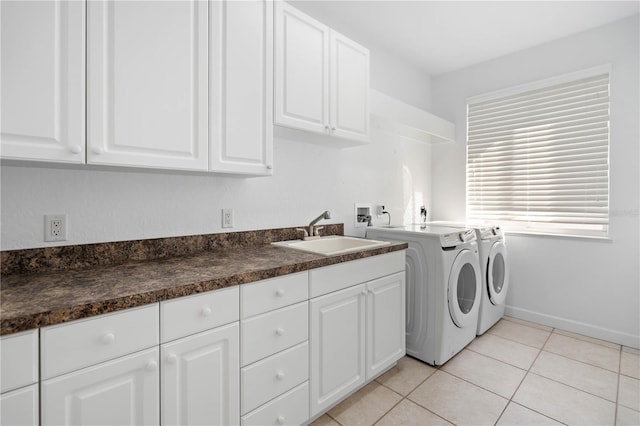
(55, 227)
(227, 218)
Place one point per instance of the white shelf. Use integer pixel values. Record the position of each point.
(396, 117)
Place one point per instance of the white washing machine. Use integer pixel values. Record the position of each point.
(492, 254)
(443, 288)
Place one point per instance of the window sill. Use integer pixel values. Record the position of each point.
(541, 234)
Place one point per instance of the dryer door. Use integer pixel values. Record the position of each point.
(498, 273)
(464, 289)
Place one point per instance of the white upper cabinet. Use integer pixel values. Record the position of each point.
(147, 83)
(349, 89)
(301, 70)
(321, 78)
(241, 92)
(43, 68)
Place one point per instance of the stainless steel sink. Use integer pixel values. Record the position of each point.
(332, 245)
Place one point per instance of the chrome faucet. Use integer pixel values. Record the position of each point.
(313, 230)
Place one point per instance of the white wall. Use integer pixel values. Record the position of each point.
(586, 286)
(115, 205)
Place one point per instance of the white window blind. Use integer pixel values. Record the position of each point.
(538, 157)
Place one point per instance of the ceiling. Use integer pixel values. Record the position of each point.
(443, 36)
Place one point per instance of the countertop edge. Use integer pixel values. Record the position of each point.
(23, 323)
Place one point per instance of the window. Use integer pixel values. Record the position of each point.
(538, 156)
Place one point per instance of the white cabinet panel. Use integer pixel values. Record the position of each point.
(266, 334)
(342, 275)
(125, 391)
(270, 377)
(301, 70)
(43, 75)
(385, 323)
(337, 346)
(321, 79)
(70, 346)
(291, 408)
(268, 295)
(19, 360)
(20, 407)
(200, 378)
(349, 88)
(192, 314)
(148, 83)
(241, 93)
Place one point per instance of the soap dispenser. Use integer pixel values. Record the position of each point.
(423, 217)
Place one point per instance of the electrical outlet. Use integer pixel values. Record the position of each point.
(227, 218)
(55, 227)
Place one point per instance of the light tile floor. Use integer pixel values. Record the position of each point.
(517, 373)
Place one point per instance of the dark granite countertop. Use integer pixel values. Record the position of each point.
(40, 299)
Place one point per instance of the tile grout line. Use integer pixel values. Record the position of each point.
(436, 368)
(615, 413)
(581, 362)
(522, 381)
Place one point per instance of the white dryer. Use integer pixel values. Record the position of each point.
(492, 252)
(443, 288)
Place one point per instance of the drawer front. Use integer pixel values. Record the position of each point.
(337, 277)
(193, 314)
(269, 295)
(273, 376)
(78, 344)
(292, 408)
(18, 360)
(266, 334)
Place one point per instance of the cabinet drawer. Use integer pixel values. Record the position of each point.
(192, 314)
(292, 408)
(19, 360)
(82, 343)
(268, 295)
(266, 334)
(273, 376)
(337, 277)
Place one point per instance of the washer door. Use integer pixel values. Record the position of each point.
(497, 273)
(464, 289)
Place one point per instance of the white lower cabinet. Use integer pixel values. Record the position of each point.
(200, 378)
(19, 401)
(273, 352)
(124, 391)
(357, 332)
(385, 323)
(200, 359)
(337, 346)
(291, 408)
(20, 407)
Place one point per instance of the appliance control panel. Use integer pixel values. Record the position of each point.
(456, 238)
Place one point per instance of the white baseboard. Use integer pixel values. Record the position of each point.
(575, 326)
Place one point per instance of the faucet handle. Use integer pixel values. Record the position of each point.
(306, 234)
(316, 229)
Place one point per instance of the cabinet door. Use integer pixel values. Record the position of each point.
(200, 378)
(385, 323)
(125, 391)
(337, 346)
(241, 92)
(148, 84)
(301, 70)
(43, 44)
(349, 89)
(20, 407)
